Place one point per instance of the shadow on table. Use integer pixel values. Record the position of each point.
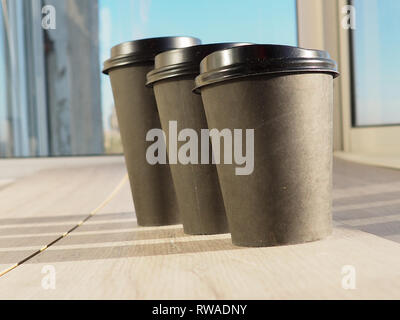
(348, 174)
(53, 254)
(372, 215)
(89, 238)
(102, 239)
(65, 218)
(136, 250)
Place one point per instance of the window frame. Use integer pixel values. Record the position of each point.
(319, 27)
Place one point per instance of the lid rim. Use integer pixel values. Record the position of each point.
(123, 61)
(197, 88)
(144, 50)
(256, 60)
(172, 71)
(186, 61)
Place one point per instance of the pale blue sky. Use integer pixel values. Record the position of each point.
(377, 45)
(377, 63)
(260, 21)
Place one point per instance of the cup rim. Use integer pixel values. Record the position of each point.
(262, 59)
(145, 50)
(184, 61)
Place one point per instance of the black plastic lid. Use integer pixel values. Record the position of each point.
(267, 59)
(144, 50)
(184, 61)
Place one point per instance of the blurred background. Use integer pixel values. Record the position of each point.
(54, 101)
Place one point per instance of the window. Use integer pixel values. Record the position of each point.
(262, 21)
(54, 100)
(376, 51)
(50, 101)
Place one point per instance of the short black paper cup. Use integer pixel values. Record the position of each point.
(197, 187)
(152, 187)
(282, 97)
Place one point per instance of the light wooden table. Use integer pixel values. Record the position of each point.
(110, 257)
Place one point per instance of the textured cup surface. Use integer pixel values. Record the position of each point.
(152, 187)
(287, 198)
(197, 186)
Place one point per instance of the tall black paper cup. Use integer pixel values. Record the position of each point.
(284, 94)
(196, 183)
(152, 187)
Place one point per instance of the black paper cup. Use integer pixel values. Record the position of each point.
(285, 94)
(152, 187)
(196, 183)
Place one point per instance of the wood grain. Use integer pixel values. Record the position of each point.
(110, 257)
(42, 204)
